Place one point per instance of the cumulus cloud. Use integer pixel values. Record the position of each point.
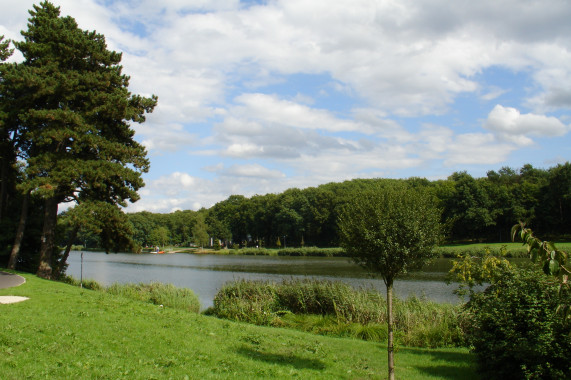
(395, 73)
(271, 109)
(510, 125)
(475, 148)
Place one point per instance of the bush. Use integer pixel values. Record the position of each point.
(514, 330)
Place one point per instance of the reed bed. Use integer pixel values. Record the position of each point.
(335, 308)
(158, 293)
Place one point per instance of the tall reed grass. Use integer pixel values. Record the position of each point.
(335, 308)
(86, 284)
(158, 293)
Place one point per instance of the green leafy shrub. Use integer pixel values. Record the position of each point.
(514, 330)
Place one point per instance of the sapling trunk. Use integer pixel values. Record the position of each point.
(390, 344)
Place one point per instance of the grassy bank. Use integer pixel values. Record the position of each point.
(67, 332)
(512, 249)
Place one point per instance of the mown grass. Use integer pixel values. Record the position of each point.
(335, 308)
(65, 332)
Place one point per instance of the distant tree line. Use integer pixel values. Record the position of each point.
(474, 209)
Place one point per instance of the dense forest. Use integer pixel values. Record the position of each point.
(473, 209)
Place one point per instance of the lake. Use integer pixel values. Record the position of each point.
(206, 274)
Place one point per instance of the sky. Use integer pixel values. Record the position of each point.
(257, 97)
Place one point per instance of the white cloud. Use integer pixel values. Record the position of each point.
(386, 64)
(270, 109)
(165, 137)
(510, 125)
(493, 92)
(476, 149)
(251, 171)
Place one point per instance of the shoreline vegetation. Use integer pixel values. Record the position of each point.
(128, 331)
(336, 309)
(511, 250)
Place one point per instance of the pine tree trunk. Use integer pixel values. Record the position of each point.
(62, 261)
(19, 233)
(390, 344)
(48, 238)
(3, 184)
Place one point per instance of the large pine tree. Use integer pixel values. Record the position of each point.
(7, 152)
(74, 111)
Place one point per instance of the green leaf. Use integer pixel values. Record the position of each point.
(533, 254)
(551, 267)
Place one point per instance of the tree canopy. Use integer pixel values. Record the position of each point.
(474, 210)
(70, 120)
(390, 231)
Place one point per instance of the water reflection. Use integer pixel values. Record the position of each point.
(206, 274)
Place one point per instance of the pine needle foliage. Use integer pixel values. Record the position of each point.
(71, 110)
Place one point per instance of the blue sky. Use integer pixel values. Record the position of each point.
(257, 97)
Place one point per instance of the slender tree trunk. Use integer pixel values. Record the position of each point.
(390, 344)
(19, 233)
(62, 261)
(48, 238)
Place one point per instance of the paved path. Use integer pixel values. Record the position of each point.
(9, 280)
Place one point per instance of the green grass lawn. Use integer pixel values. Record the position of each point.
(64, 332)
(515, 249)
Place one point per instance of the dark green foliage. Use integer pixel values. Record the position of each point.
(554, 213)
(390, 231)
(66, 112)
(515, 331)
(199, 232)
(474, 209)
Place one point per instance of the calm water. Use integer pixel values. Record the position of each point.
(206, 274)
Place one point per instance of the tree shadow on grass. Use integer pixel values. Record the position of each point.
(295, 361)
(447, 365)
